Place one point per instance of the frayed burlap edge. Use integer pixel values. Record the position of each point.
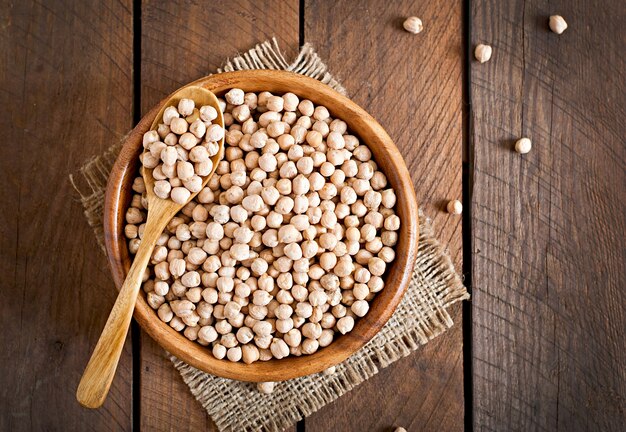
(91, 184)
(420, 317)
(269, 56)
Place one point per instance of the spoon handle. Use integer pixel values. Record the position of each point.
(98, 375)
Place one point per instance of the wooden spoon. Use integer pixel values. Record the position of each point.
(98, 375)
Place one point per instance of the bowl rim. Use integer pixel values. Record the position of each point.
(125, 169)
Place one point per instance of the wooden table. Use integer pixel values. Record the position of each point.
(541, 242)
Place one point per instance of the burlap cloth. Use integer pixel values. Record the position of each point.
(421, 316)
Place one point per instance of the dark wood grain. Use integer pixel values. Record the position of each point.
(166, 402)
(66, 83)
(548, 228)
(412, 85)
(180, 42)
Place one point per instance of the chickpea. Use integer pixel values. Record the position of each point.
(284, 205)
(376, 266)
(360, 308)
(387, 254)
(250, 354)
(317, 298)
(309, 346)
(389, 238)
(388, 198)
(279, 348)
(326, 338)
(241, 113)
(311, 330)
(345, 324)
(344, 266)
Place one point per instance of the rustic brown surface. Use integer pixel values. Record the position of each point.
(66, 91)
(183, 41)
(412, 85)
(548, 228)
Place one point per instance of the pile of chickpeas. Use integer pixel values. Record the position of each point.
(183, 157)
(287, 243)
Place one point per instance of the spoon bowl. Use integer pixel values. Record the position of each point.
(201, 97)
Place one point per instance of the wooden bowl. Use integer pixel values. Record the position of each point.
(390, 161)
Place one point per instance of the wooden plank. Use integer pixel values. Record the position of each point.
(412, 85)
(183, 41)
(166, 402)
(548, 228)
(65, 83)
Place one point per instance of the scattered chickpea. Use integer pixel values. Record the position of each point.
(483, 53)
(455, 207)
(413, 25)
(330, 371)
(265, 387)
(557, 24)
(523, 145)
